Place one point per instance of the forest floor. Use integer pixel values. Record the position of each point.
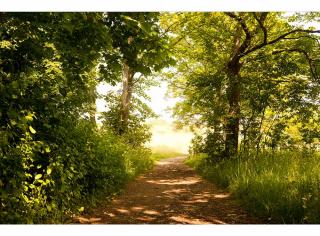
(172, 193)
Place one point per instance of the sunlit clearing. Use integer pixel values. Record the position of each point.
(166, 138)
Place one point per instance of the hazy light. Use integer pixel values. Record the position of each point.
(163, 131)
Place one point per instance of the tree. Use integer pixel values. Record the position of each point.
(224, 54)
(141, 48)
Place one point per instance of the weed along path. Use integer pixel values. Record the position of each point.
(172, 193)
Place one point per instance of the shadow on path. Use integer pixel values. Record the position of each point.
(172, 193)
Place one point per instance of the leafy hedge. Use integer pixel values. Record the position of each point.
(47, 183)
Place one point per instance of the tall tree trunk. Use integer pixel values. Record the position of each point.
(233, 94)
(233, 117)
(127, 85)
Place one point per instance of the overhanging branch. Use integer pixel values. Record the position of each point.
(283, 36)
(306, 55)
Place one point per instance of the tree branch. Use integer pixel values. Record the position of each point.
(183, 36)
(278, 39)
(303, 36)
(245, 44)
(261, 24)
(306, 55)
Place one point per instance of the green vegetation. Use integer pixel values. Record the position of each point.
(246, 80)
(55, 160)
(248, 86)
(282, 186)
(74, 176)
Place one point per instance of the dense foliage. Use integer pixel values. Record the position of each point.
(141, 48)
(247, 78)
(54, 159)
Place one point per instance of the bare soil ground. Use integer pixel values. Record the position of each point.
(172, 193)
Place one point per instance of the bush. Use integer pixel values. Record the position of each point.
(282, 186)
(137, 160)
(48, 182)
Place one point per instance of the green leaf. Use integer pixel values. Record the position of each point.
(47, 149)
(32, 130)
(29, 117)
(38, 176)
(49, 170)
(81, 209)
(13, 122)
(5, 44)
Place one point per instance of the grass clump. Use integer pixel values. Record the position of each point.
(282, 186)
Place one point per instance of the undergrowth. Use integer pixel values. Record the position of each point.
(282, 186)
(50, 184)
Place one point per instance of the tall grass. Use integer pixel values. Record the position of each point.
(282, 186)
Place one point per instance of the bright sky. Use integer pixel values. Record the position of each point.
(163, 131)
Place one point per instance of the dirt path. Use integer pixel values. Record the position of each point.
(172, 193)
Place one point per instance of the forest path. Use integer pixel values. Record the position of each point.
(172, 193)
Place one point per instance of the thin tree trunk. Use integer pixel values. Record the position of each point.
(127, 85)
(260, 131)
(93, 113)
(93, 107)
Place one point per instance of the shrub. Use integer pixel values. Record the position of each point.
(45, 182)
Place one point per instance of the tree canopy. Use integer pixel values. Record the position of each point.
(242, 76)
